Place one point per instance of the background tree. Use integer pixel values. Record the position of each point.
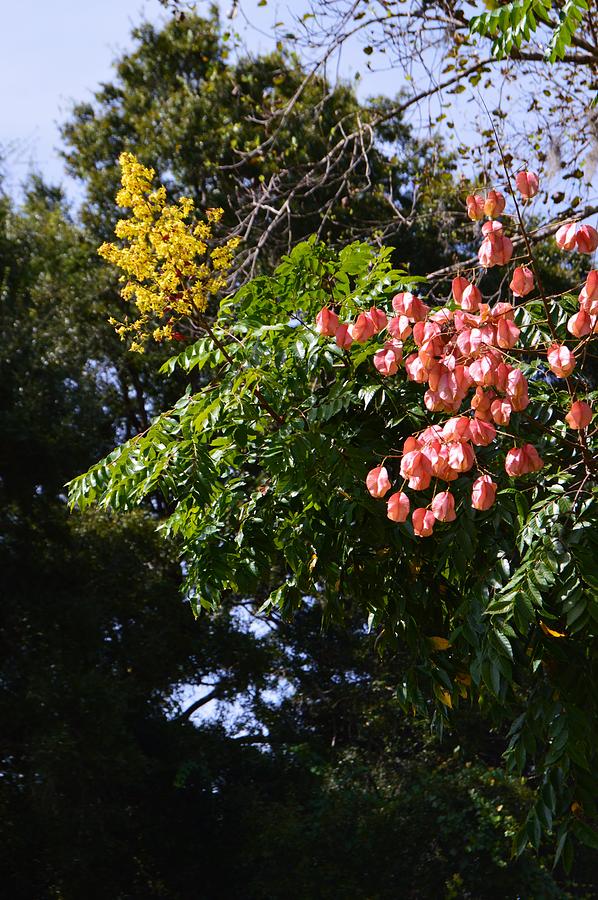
(108, 787)
(263, 471)
(285, 153)
(455, 75)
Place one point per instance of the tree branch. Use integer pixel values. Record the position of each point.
(197, 704)
(535, 237)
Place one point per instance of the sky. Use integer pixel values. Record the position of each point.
(56, 52)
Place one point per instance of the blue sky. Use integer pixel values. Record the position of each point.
(55, 52)
(51, 53)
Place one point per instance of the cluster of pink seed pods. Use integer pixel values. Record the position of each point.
(461, 354)
(585, 321)
(583, 238)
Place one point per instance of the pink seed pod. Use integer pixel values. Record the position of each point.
(377, 481)
(528, 184)
(580, 324)
(522, 282)
(566, 236)
(475, 207)
(483, 492)
(327, 322)
(398, 507)
(579, 416)
(443, 507)
(586, 239)
(343, 337)
(561, 360)
(423, 521)
(495, 204)
(522, 460)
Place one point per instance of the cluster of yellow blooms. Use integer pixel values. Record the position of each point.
(169, 270)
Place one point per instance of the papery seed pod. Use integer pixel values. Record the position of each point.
(528, 184)
(579, 416)
(483, 492)
(377, 481)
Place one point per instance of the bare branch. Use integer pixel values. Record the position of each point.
(203, 701)
(535, 236)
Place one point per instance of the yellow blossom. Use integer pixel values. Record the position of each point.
(169, 269)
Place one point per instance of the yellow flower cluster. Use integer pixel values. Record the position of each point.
(170, 272)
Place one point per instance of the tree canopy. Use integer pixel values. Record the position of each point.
(112, 784)
(283, 154)
(263, 472)
(355, 710)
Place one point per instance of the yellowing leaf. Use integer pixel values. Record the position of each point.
(551, 632)
(313, 561)
(463, 681)
(445, 697)
(439, 643)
